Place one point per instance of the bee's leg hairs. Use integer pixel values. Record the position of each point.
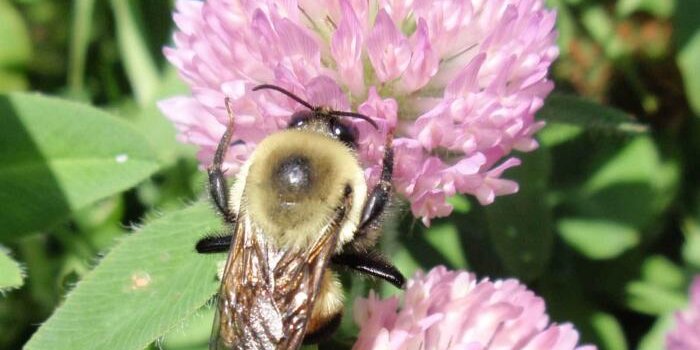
(214, 244)
(370, 263)
(218, 188)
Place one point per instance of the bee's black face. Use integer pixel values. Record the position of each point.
(326, 124)
(347, 134)
(300, 120)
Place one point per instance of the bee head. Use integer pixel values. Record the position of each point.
(322, 120)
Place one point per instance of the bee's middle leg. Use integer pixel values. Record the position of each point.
(214, 244)
(378, 199)
(358, 254)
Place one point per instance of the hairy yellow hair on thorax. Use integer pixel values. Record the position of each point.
(294, 206)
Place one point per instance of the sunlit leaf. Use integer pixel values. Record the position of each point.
(15, 45)
(11, 80)
(459, 203)
(159, 130)
(598, 239)
(444, 238)
(557, 133)
(661, 289)
(687, 32)
(652, 299)
(59, 157)
(655, 338)
(601, 27)
(138, 62)
(419, 251)
(194, 333)
(626, 187)
(661, 271)
(81, 27)
(691, 246)
(662, 9)
(609, 331)
(11, 274)
(148, 285)
(631, 187)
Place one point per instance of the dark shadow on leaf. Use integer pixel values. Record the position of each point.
(476, 242)
(686, 21)
(634, 204)
(413, 238)
(574, 161)
(31, 198)
(630, 203)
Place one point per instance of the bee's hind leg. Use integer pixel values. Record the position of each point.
(325, 331)
(214, 244)
(218, 187)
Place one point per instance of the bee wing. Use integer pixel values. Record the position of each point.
(298, 278)
(267, 294)
(247, 316)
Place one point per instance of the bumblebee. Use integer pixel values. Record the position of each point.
(299, 209)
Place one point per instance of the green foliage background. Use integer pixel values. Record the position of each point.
(100, 207)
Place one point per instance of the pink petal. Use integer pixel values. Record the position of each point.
(323, 91)
(466, 81)
(424, 61)
(469, 78)
(346, 47)
(387, 48)
(396, 9)
(452, 310)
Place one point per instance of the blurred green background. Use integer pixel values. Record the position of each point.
(606, 226)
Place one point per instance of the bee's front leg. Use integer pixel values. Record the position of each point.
(218, 187)
(219, 191)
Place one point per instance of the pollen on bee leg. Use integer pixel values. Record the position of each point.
(140, 279)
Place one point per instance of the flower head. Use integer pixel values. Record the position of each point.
(458, 82)
(453, 310)
(686, 335)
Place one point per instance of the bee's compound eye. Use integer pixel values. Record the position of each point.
(345, 133)
(299, 119)
(293, 174)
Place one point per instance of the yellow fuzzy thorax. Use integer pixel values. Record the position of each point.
(295, 220)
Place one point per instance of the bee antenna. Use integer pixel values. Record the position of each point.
(309, 106)
(289, 94)
(355, 115)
